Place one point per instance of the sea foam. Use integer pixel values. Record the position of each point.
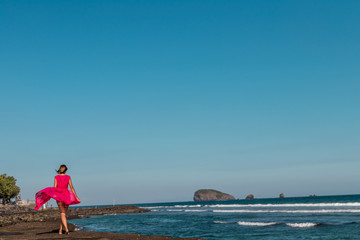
(302, 225)
(291, 211)
(256, 224)
(221, 222)
(195, 210)
(354, 204)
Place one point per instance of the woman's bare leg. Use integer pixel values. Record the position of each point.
(63, 209)
(60, 205)
(66, 208)
(66, 228)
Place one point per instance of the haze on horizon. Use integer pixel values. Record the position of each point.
(148, 101)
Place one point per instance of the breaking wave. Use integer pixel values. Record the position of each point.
(353, 204)
(221, 222)
(302, 225)
(258, 224)
(291, 211)
(195, 210)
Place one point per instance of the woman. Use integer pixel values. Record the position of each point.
(61, 194)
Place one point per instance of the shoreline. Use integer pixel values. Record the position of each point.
(23, 223)
(15, 214)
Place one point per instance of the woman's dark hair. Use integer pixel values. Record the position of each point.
(62, 169)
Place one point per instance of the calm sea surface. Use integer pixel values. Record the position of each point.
(331, 217)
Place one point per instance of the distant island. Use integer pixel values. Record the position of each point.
(215, 195)
(250, 197)
(211, 195)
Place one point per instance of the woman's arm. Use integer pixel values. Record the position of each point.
(72, 189)
(55, 182)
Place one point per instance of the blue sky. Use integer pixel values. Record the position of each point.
(148, 101)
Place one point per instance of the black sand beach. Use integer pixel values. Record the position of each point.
(25, 223)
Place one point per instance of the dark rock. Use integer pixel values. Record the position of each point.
(211, 195)
(249, 197)
(12, 215)
(281, 195)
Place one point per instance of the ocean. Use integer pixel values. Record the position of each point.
(323, 217)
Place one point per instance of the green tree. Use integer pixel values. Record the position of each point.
(8, 188)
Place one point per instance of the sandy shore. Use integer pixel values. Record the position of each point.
(25, 223)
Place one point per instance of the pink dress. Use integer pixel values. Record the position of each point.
(60, 193)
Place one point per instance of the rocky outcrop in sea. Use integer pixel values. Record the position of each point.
(211, 195)
(250, 196)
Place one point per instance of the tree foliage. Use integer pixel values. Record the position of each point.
(8, 188)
